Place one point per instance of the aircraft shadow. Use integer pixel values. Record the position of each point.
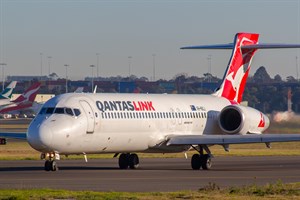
(19, 169)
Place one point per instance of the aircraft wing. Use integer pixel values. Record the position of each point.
(230, 139)
(18, 135)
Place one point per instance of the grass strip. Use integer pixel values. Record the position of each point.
(277, 190)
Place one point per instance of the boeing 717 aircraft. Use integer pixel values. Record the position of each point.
(126, 124)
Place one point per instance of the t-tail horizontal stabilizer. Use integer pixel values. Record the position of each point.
(236, 74)
(256, 46)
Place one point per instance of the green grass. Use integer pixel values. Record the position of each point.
(211, 191)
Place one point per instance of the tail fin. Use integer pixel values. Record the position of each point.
(7, 92)
(235, 77)
(29, 94)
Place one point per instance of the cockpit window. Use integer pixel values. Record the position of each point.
(59, 111)
(50, 110)
(69, 111)
(43, 111)
(77, 112)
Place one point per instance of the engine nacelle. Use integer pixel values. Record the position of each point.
(237, 119)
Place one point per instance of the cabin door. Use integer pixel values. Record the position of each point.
(89, 115)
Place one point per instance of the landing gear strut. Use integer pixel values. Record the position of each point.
(128, 160)
(201, 160)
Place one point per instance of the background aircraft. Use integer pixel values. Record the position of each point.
(25, 100)
(85, 123)
(7, 93)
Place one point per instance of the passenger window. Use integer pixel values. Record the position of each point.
(77, 112)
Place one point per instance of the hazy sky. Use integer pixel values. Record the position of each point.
(72, 32)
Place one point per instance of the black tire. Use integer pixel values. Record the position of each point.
(47, 165)
(124, 161)
(195, 162)
(206, 162)
(53, 165)
(133, 161)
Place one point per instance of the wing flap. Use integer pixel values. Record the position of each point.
(231, 139)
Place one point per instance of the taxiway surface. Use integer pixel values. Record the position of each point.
(170, 174)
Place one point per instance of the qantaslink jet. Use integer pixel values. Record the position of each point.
(126, 124)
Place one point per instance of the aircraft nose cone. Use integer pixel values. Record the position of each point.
(40, 137)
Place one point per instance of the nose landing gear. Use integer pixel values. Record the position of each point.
(50, 163)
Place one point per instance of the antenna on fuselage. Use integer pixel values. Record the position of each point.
(95, 90)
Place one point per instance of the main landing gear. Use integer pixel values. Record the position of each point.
(50, 163)
(128, 160)
(201, 160)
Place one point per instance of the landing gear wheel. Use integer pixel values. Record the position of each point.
(50, 165)
(53, 165)
(205, 162)
(195, 162)
(47, 165)
(133, 161)
(124, 161)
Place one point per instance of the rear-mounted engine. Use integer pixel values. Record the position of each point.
(237, 119)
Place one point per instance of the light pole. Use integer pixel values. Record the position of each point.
(41, 55)
(3, 80)
(297, 70)
(153, 55)
(66, 77)
(49, 63)
(97, 54)
(92, 66)
(129, 66)
(209, 68)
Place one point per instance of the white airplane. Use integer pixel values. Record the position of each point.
(85, 123)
